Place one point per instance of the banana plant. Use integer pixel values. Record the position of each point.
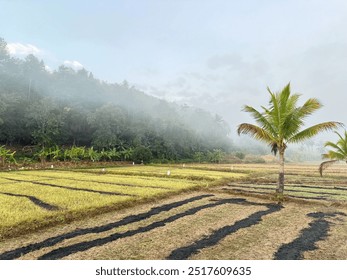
(74, 153)
(105, 155)
(114, 154)
(126, 154)
(42, 154)
(55, 152)
(92, 154)
(6, 156)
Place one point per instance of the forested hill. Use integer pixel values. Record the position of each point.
(67, 107)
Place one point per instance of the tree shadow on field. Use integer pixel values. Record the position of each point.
(317, 231)
(83, 246)
(211, 240)
(35, 200)
(16, 253)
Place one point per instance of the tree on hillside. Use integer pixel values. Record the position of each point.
(338, 152)
(45, 120)
(281, 124)
(4, 55)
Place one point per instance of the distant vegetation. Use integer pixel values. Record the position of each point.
(42, 110)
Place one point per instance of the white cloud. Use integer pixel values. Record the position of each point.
(73, 64)
(22, 49)
(49, 69)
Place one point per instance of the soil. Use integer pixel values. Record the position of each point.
(195, 226)
(299, 186)
(83, 246)
(318, 230)
(13, 254)
(242, 191)
(211, 240)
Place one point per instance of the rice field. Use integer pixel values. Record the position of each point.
(301, 181)
(201, 211)
(33, 199)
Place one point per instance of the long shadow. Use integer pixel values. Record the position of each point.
(70, 188)
(83, 246)
(317, 231)
(34, 200)
(184, 253)
(16, 253)
(100, 182)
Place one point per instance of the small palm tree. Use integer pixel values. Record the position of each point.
(338, 153)
(281, 124)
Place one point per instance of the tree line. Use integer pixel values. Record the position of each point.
(66, 108)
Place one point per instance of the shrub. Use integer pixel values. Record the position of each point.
(142, 154)
(240, 155)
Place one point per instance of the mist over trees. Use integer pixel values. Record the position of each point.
(67, 107)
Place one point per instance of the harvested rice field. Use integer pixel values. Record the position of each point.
(192, 212)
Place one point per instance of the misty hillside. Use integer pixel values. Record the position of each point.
(67, 107)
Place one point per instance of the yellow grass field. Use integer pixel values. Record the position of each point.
(202, 211)
(34, 199)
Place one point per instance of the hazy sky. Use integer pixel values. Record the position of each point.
(214, 54)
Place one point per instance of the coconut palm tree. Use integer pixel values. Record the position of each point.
(338, 153)
(281, 124)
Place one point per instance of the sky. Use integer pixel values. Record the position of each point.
(218, 55)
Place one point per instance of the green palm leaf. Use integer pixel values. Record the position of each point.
(256, 132)
(313, 131)
(338, 152)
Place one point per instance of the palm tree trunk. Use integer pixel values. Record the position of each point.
(280, 187)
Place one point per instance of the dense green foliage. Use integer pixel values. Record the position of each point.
(67, 107)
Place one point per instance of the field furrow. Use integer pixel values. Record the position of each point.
(98, 229)
(68, 187)
(201, 211)
(34, 200)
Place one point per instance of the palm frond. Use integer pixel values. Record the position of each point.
(274, 112)
(342, 142)
(337, 147)
(324, 165)
(309, 107)
(260, 118)
(334, 155)
(283, 96)
(313, 131)
(256, 132)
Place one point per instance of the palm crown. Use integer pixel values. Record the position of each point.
(338, 152)
(281, 123)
